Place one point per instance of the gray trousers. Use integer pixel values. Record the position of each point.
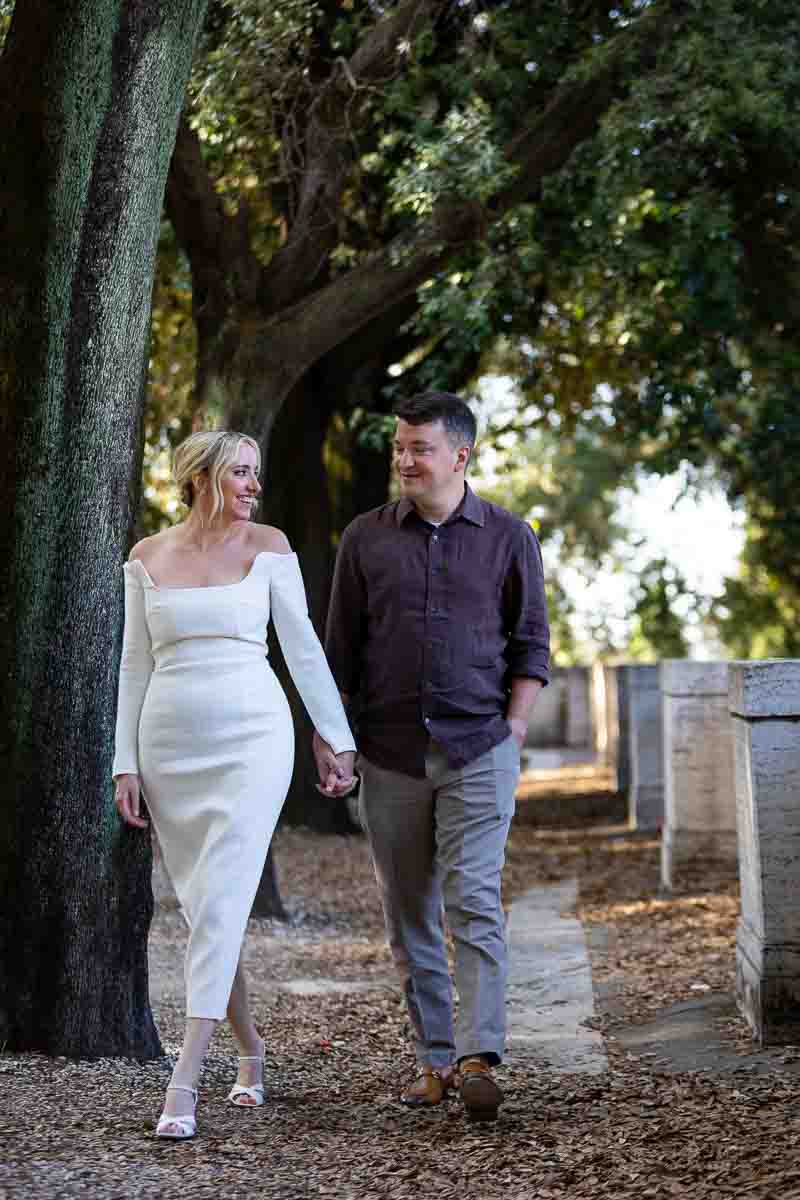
(439, 844)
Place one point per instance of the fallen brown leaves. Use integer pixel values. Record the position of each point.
(332, 1126)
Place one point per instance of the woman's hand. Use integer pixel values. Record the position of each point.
(335, 770)
(128, 800)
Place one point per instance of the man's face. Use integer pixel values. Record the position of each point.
(425, 459)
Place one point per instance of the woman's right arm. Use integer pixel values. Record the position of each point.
(136, 667)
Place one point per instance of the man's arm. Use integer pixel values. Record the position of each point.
(345, 629)
(344, 635)
(524, 692)
(528, 649)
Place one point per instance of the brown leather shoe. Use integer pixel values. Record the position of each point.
(430, 1087)
(480, 1094)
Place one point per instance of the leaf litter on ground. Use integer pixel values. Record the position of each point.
(332, 1124)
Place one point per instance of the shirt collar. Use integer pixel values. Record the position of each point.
(470, 508)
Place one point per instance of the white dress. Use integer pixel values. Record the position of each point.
(203, 721)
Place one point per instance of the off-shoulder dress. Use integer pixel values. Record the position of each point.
(204, 722)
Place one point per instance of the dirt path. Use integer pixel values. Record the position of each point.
(332, 1125)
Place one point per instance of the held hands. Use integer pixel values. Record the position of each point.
(127, 798)
(335, 771)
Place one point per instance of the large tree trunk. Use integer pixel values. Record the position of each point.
(90, 95)
(317, 479)
(296, 500)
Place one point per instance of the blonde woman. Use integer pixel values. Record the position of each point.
(204, 730)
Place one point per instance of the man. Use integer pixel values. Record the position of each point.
(438, 627)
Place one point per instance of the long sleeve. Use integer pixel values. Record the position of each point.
(135, 670)
(304, 655)
(528, 649)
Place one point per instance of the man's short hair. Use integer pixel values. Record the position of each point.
(456, 416)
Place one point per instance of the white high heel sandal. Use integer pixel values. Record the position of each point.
(255, 1092)
(185, 1126)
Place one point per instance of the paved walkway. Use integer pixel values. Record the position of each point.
(550, 982)
(549, 989)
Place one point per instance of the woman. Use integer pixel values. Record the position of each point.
(204, 730)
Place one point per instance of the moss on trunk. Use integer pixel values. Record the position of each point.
(90, 95)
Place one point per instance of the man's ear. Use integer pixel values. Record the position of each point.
(463, 457)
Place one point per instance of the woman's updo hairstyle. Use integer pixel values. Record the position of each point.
(211, 453)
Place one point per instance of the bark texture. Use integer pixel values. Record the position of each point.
(90, 95)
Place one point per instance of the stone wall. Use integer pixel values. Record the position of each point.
(562, 715)
(699, 802)
(645, 745)
(765, 707)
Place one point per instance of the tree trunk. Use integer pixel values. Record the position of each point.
(90, 95)
(296, 499)
(311, 493)
(267, 902)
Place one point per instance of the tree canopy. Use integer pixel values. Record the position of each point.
(592, 195)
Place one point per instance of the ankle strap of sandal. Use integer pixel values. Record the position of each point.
(181, 1087)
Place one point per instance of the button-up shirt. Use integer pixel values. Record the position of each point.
(428, 624)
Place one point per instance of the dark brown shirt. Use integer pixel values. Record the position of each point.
(427, 626)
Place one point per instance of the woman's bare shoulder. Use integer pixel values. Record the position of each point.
(268, 538)
(145, 549)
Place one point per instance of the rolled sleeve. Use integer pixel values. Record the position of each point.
(528, 648)
(345, 629)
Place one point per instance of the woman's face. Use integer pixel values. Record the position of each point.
(240, 486)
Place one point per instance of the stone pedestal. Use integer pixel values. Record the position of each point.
(645, 741)
(605, 726)
(548, 719)
(765, 706)
(562, 715)
(699, 799)
(579, 707)
(623, 731)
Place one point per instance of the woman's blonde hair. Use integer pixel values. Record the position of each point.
(213, 453)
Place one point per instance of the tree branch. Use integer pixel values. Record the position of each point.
(224, 269)
(575, 112)
(336, 113)
(298, 336)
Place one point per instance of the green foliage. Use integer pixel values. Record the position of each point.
(658, 629)
(6, 11)
(757, 616)
(460, 154)
(653, 282)
(688, 198)
(170, 407)
(567, 488)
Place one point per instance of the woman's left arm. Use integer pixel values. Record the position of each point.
(304, 655)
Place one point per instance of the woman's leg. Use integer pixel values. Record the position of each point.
(199, 1032)
(244, 1031)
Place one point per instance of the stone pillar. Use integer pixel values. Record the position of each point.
(699, 799)
(605, 729)
(579, 710)
(645, 740)
(623, 731)
(547, 725)
(765, 708)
